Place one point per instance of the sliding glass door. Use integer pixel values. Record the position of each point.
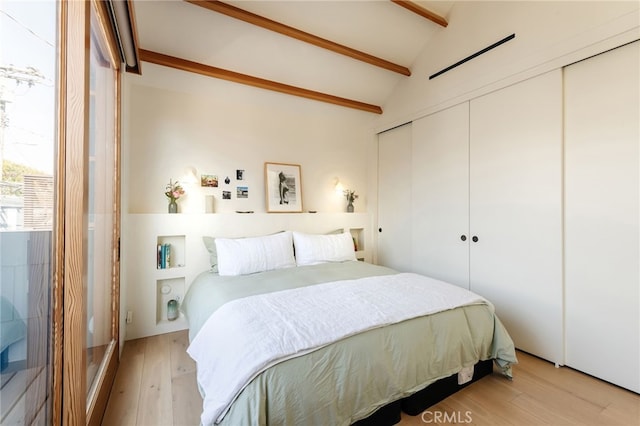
(89, 138)
(59, 211)
(27, 220)
(102, 255)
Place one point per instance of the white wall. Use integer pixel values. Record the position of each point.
(174, 120)
(178, 120)
(549, 35)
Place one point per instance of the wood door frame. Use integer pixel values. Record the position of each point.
(59, 208)
(74, 76)
(70, 403)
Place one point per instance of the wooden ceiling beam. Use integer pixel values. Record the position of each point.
(260, 21)
(209, 71)
(425, 13)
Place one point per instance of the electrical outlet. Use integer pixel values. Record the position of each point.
(129, 317)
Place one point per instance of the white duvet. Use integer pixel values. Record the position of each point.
(246, 336)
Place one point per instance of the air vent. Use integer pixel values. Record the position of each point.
(470, 57)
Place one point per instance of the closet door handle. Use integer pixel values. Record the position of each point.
(463, 237)
(474, 239)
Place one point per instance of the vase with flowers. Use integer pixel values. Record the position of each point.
(173, 191)
(351, 197)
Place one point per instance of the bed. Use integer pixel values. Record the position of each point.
(317, 337)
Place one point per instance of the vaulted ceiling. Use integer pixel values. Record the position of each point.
(351, 53)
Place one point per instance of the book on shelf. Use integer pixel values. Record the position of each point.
(164, 256)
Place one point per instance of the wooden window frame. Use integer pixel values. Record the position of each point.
(71, 404)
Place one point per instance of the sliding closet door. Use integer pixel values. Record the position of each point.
(516, 209)
(602, 209)
(394, 198)
(440, 193)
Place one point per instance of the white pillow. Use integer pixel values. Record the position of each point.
(314, 249)
(240, 256)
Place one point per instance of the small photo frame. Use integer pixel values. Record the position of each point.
(209, 180)
(283, 187)
(242, 192)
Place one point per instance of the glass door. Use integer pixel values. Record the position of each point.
(59, 210)
(100, 256)
(28, 158)
(102, 208)
(89, 142)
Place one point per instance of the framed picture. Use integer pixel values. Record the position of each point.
(283, 188)
(242, 192)
(209, 180)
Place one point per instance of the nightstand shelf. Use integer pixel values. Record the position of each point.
(166, 290)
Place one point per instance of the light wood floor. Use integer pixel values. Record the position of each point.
(156, 386)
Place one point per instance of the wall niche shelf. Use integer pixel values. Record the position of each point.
(170, 251)
(166, 290)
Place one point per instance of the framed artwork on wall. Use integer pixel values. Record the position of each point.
(283, 187)
(209, 180)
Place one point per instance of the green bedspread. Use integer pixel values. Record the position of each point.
(350, 379)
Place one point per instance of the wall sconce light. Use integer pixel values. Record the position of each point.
(190, 176)
(339, 188)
